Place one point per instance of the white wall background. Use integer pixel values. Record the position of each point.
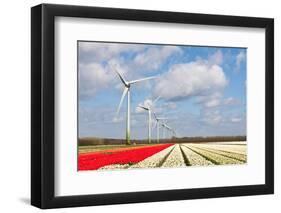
(15, 105)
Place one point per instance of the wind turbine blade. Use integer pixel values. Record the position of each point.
(145, 108)
(155, 124)
(121, 100)
(142, 79)
(166, 126)
(154, 115)
(156, 99)
(120, 76)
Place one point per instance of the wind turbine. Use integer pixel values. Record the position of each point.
(148, 108)
(171, 130)
(149, 121)
(127, 85)
(174, 132)
(163, 131)
(158, 120)
(167, 127)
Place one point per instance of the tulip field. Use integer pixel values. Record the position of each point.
(111, 157)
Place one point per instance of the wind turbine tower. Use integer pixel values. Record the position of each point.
(149, 121)
(126, 91)
(158, 120)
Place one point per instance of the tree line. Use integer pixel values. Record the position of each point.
(87, 141)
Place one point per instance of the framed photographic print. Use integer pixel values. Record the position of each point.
(139, 106)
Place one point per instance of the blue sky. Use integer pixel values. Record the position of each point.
(202, 90)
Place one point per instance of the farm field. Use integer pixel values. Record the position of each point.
(110, 157)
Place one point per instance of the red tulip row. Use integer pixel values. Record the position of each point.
(96, 160)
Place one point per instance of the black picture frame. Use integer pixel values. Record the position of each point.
(43, 102)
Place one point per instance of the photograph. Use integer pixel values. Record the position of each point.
(156, 106)
(139, 105)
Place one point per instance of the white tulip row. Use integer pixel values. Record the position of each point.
(114, 167)
(236, 156)
(154, 160)
(195, 159)
(215, 157)
(230, 142)
(240, 149)
(175, 159)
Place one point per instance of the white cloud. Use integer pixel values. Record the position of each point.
(104, 51)
(146, 103)
(231, 101)
(153, 57)
(139, 110)
(144, 57)
(211, 117)
(170, 105)
(236, 120)
(155, 106)
(217, 117)
(117, 119)
(241, 57)
(191, 79)
(93, 77)
(211, 100)
(95, 58)
(212, 103)
(216, 58)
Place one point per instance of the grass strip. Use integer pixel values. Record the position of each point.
(165, 158)
(186, 161)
